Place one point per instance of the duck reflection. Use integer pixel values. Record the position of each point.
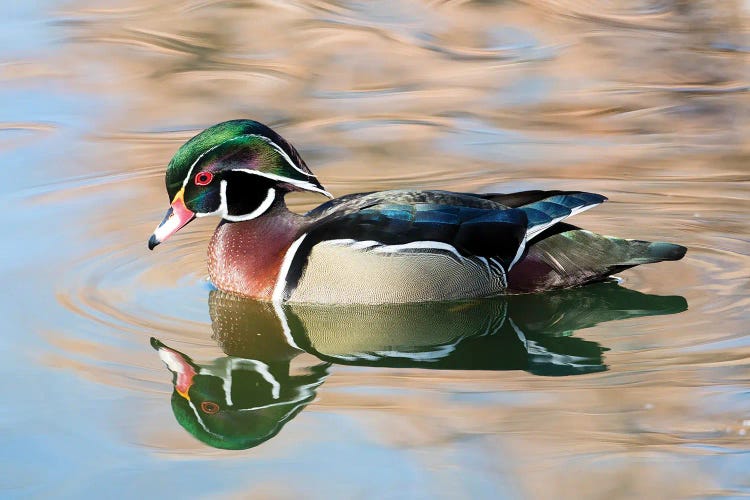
(244, 399)
(237, 403)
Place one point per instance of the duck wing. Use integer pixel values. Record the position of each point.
(544, 209)
(431, 238)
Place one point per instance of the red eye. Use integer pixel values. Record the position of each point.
(209, 407)
(203, 178)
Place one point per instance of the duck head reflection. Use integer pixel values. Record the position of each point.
(237, 403)
(244, 399)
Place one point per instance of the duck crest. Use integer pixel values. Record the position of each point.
(243, 143)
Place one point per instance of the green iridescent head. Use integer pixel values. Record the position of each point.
(236, 169)
(236, 403)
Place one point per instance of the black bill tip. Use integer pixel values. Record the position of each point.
(152, 242)
(156, 343)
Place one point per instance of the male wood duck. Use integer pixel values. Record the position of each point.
(380, 247)
(244, 399)
(236, 403)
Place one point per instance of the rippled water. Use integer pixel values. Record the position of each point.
(643, 101)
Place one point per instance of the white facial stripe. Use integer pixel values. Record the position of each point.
(282, 153)
(278, 291)
(238, 363)
(302, 184)
(264, 371)
(227, 383)
(255, 213)
(284, 402)
(304, 392)
(200, 420)
(222, 210)
(190, 171)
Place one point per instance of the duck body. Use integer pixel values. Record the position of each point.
(384, 247)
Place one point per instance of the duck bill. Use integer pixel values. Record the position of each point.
(181, 366)
(175, 219)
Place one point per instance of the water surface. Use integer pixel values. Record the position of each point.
(640, 389)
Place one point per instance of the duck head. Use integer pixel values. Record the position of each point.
(236, 403)
(237, 170)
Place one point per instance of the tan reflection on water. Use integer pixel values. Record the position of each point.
(646, 102)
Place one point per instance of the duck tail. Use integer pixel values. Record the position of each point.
(566, 256)
(647, 252)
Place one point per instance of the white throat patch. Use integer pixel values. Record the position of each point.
(223, 210)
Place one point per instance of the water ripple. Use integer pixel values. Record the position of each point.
(642, 101)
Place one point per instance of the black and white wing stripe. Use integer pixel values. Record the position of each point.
(546, 213)
(477, 234)
(473, 237)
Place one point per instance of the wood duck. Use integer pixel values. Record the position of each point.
(381, 247)
(237, 403)
(246, 398)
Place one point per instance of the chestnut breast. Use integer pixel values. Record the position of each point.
(245, 257)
